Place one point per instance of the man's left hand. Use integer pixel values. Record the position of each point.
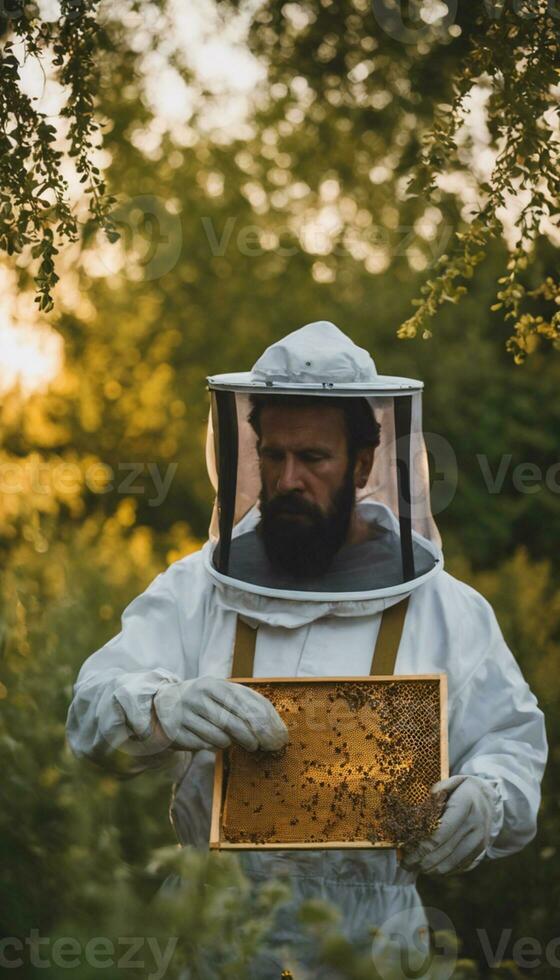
(464, 830)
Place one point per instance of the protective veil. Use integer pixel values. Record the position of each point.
(183, 626)
(319, 362)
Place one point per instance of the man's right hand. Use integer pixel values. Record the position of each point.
(211, 713)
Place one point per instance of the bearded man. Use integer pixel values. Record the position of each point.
(322, 528)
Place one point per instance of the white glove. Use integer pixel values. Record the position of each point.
(464, 832)
(211, 713)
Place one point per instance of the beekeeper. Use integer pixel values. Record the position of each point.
(322, 525)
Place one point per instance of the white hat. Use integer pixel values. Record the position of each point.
(316, 359)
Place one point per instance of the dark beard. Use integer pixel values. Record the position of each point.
(305, 548)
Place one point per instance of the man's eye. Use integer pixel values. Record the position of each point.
(312, 457)
(271, 454)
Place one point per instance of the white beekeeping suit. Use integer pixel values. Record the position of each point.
(184, 625)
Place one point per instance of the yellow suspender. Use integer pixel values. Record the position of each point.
(388, 639)
(244, 650)
(384, 655)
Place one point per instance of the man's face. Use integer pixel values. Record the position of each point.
(308, 486)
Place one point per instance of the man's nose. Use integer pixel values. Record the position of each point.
(291, 476)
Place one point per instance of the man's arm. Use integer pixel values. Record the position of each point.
(110, 719)
(497, 732)
(140, 700)
(498, 751)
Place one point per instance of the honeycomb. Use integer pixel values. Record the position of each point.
(360, 762)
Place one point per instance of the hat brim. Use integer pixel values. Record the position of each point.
(245, 382)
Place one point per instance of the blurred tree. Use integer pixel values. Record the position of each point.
(357, 100)
(411, 85)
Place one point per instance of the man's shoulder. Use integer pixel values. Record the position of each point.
(187, 566)
(456, 626)
(187, 577)
(454, 598)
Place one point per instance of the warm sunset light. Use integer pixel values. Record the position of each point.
(29, 355)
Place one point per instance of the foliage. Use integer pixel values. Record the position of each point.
(396, 97)
(35, 212)
(62, 595)
(517, 56)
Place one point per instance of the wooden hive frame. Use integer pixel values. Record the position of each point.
(218, 839)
